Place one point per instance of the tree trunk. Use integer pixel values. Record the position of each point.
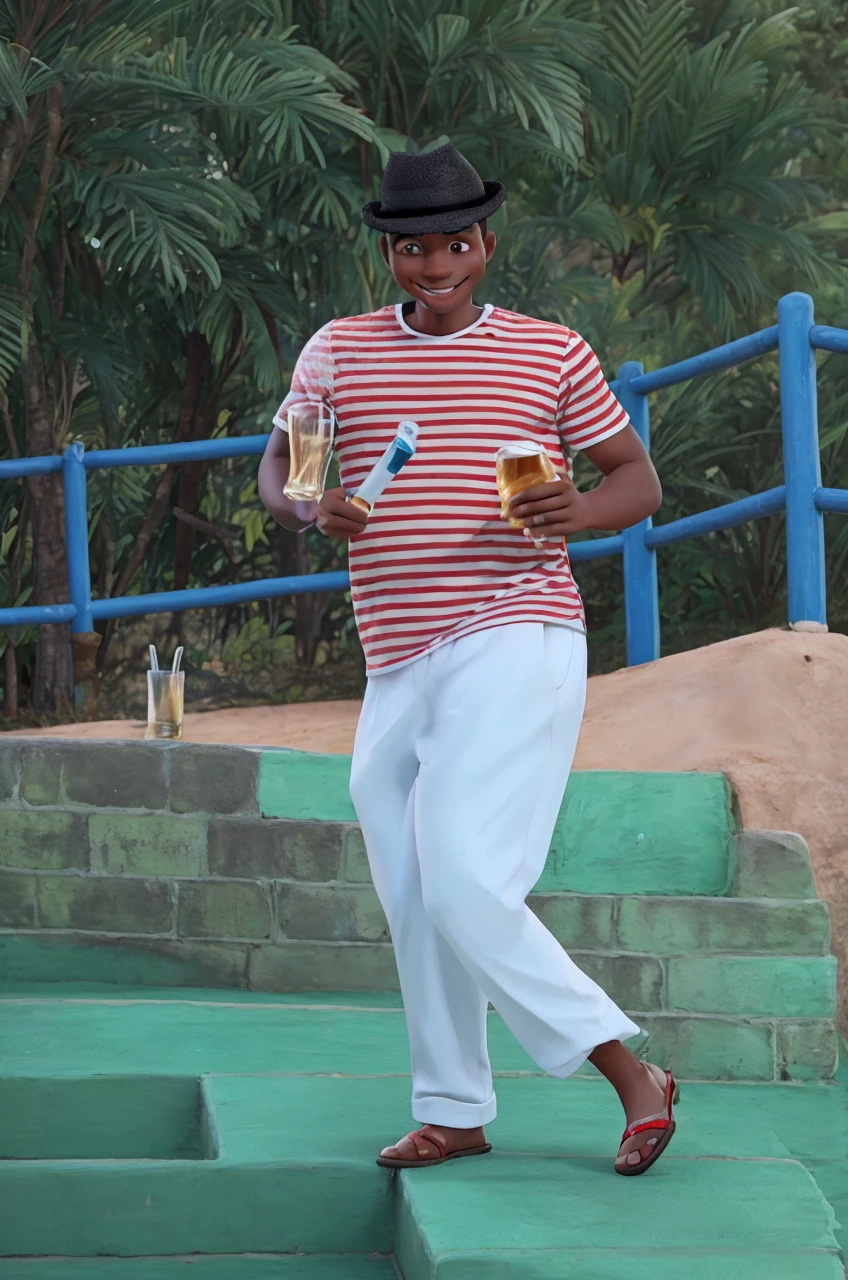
(189, 489)
(10, 671)
(52, 684)
(309, 611)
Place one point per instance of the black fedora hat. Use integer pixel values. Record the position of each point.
(431, 192)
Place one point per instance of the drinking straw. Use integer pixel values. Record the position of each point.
(177, 660)
(154, 661)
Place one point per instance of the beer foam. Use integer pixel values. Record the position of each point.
(521, 449)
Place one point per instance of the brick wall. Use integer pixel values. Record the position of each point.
(152, 863)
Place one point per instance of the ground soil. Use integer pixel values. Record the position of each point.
(769, 710)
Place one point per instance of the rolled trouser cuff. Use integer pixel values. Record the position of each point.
(456, 1115)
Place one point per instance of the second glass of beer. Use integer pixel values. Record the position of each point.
(518, 467)
(312, 430)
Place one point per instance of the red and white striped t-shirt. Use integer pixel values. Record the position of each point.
(436, 561)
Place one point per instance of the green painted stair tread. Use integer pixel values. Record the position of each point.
(290, 1147)
(240, 1267)
(631, 1264)
(54, 1037)
(490, 1209)
(106, 991)
(42, 1039)
(263, 1118)
(623, 832)
(296, 1164)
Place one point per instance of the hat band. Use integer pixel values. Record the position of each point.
(432, 211)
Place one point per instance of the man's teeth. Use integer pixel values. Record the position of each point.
(450, 290)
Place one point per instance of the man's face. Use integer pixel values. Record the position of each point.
(440, 272)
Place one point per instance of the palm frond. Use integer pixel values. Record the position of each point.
(13, 334)
(646, 42)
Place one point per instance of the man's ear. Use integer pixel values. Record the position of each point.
(490, 243)
(384, 249)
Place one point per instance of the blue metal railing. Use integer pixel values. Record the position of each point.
(795, 337)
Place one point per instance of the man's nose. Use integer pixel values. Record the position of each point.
(437, 266)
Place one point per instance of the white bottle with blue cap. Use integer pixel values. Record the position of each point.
(383, 472)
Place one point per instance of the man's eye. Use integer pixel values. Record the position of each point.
(459, 246)
(411, 248)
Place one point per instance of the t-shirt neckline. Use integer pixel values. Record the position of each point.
(442, 337)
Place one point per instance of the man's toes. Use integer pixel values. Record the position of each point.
(637, 1155)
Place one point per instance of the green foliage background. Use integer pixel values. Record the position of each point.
(181, 184)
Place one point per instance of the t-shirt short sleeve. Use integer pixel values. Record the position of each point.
(587, 411)
(313, 375)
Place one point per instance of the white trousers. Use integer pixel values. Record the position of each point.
(459, 769)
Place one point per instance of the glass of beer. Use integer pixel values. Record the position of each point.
(312, 429)
(519, 467)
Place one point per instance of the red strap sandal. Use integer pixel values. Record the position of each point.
(423, 1158)
(663, 1121)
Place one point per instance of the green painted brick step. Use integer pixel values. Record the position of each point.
(230, 910)
(754, 986)
(129, 1208)
(104, 1118)
(241, 1267)
(553, 1142)
(232, 1035)
(576, 1220)
(617, 832)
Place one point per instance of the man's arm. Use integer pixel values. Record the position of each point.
(335, 516)
(629, 491)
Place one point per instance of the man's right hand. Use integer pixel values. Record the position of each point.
(338, 518)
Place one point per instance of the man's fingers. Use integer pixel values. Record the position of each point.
(548, 489)
(545, 500)
(527, 510)
(338, 518)
(336, 527)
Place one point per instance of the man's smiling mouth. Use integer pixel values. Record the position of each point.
(441, 292)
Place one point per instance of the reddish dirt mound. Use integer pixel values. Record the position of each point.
(769, 710)
(307, 726)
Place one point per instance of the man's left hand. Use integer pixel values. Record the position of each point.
(554, 510)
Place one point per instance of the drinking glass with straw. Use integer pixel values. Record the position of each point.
(165, 695)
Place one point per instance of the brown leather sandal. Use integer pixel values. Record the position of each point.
(423, 1159)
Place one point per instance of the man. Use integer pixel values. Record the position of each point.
(474, 638)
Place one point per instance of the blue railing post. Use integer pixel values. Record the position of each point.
(76, 537)
(641, 595)
(801, 465)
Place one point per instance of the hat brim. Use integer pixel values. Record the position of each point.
(435, 221)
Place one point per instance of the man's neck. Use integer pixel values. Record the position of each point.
(438, 325)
